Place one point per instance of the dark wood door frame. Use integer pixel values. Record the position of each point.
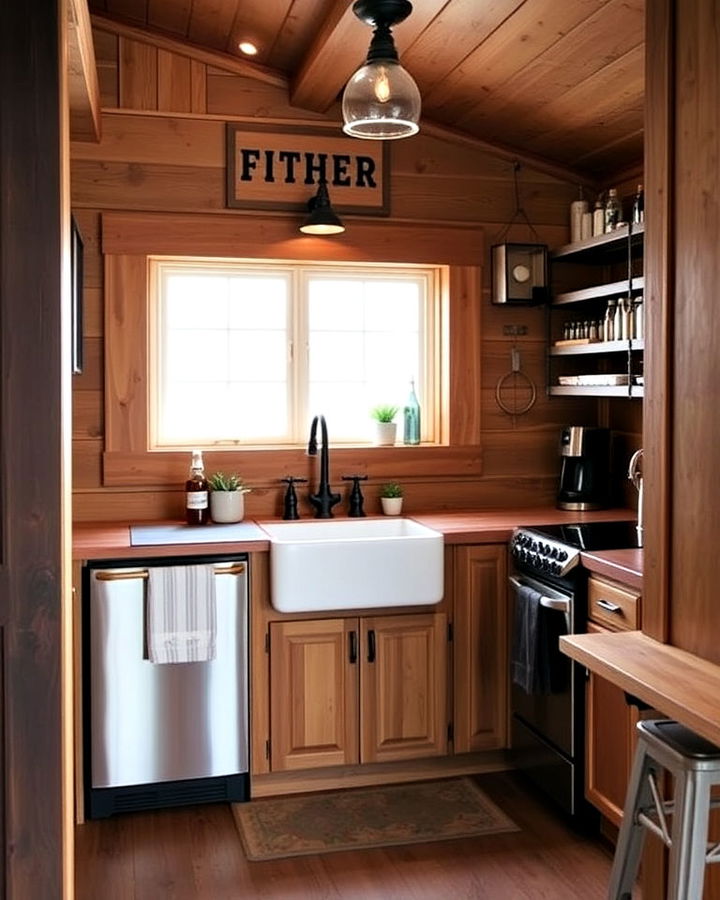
(34, 364)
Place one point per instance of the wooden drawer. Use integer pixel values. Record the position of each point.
(613, 605)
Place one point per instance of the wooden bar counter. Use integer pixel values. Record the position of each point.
(679, 684)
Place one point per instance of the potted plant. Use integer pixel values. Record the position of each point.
(391, 498)
(227, 497)
(385, 427)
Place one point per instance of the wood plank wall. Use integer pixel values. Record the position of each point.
(162, 150)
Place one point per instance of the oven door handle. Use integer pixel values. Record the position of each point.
(562, 604)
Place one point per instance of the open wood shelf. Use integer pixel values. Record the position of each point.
(611, 289)
(605, 242)
(597, 390)
(598, 347)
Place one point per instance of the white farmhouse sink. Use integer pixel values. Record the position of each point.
(353, 564)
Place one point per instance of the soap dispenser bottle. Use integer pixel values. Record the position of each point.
(197, 495)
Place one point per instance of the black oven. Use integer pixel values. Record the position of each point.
(548, 592)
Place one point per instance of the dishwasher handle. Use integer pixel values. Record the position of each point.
(117, 575)
(562, 604)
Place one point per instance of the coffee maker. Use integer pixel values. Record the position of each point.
(585, 471)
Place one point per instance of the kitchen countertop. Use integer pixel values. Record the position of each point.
(625, 566)
(492, 526)
(112, 540)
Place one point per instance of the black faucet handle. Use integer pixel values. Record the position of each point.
(290, 508)
(355, 510)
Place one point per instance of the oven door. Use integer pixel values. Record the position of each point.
(549, 716)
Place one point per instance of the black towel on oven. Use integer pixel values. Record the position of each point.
(536, 664)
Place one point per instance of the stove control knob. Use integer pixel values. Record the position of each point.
(562, 555)
(554, 553)
(556, 568)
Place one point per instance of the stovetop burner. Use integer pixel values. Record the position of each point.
(592, 535)
(554, 550)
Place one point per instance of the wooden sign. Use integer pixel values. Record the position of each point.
(281, 169)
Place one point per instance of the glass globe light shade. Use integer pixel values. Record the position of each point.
(381, 102)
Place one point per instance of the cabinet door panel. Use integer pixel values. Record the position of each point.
(403, 687)
(314, 706)
(480, 667)
(610, 744)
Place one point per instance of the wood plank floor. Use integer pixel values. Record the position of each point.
(195, 854)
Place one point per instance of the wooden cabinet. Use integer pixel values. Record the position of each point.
(480, 663)
(600, 270)
(313, 693)
(610, 721)
(357, 690)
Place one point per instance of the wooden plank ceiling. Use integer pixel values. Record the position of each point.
(563, 81)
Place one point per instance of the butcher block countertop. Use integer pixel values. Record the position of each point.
(112, 540)
(625, 566)
(679, 684)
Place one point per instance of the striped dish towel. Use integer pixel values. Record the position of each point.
(181, 614)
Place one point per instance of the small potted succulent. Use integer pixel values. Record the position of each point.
(227, 497)
(385, 427)
(391, 498)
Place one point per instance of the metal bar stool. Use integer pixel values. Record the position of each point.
(695, 765)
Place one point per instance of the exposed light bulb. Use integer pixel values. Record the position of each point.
(248, 48)
(382, 86)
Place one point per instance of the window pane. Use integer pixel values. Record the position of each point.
(200, 355)
(257, 356)
(237, 345)
(257, 302)
(364, 347)
(191, 299)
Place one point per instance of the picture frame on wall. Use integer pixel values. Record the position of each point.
(76, 295)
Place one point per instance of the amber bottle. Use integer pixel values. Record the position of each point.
(197, 496)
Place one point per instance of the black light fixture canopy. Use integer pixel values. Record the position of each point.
(321, 218)
(381, 101)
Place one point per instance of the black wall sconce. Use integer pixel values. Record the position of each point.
(321, 218)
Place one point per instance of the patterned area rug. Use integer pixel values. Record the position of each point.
(367, 817)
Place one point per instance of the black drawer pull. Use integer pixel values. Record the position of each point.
(371, 646)
(352, 640)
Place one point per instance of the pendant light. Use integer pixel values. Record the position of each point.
(322, 218)
(381, 101)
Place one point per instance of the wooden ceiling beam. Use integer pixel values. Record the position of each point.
(215, 58)
(83, 88)
(340, 48)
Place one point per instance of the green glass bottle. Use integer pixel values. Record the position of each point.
(411, 417)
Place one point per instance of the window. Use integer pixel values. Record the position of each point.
(244, 353)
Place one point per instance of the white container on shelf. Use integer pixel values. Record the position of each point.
(577, 209)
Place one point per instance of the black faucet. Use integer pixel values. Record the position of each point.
(324, 500)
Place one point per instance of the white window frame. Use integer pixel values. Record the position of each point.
(300, 273)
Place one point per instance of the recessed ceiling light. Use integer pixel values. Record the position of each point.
(248, 48)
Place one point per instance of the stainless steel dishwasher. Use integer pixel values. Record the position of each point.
(161, 735)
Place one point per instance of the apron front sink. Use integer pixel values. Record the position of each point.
(353, 564)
